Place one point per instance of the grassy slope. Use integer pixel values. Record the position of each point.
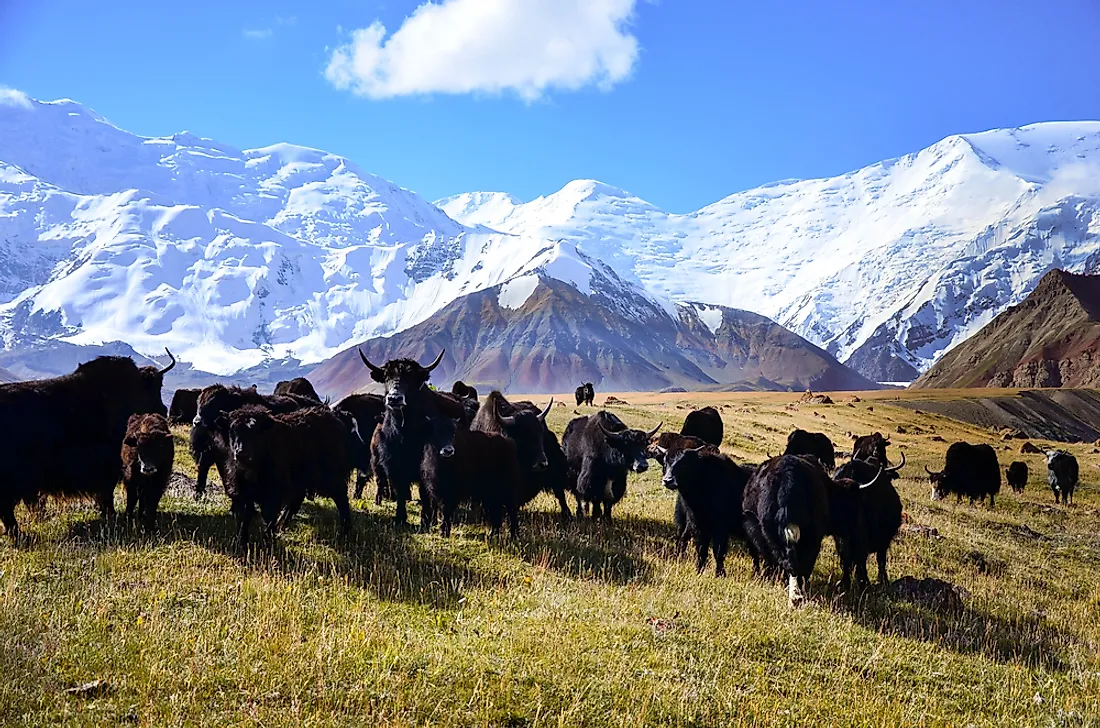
(557, 629)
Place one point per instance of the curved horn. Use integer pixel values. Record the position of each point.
(366, 361)
(168, 368)
(931, 472)
(609, 433)
(506, 420)
(435, 363)
(653, 432)
(873, 480)
(542, 415)
(696, 449)
(662, 450)
(896, 468)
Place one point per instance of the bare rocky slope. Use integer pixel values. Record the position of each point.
(559, 336)
(1051, 339)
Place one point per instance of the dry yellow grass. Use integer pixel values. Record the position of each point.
(587, 625)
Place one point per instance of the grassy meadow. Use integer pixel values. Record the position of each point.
(586, 625)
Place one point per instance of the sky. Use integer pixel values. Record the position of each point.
(681, 102)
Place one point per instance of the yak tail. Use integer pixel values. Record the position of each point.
(791, 533)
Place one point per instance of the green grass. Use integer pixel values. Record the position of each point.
(586, 625)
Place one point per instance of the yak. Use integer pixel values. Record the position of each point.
(464, 391)
(585, 394)
(970, 470)
(709, 489)
(280, 459)
(63, 436)
(147, 455)
(1062, 475)
(871, 446)
(397, 448)
(209, 441)
(525, 426)
(299, 386)
(600, 449)
(1016, 475)
(786, 516)
(461, 465)
(801, 442)
(184, 407)
(706, 424)
(864, 516)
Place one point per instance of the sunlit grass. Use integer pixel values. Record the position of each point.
(587, 625)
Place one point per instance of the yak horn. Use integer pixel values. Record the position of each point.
(506, 420)
(366, 361)
(653, 432)
(168, 368)
(896, 468)
(873, 480)
(542, 415)
(435, 363)
(662, 450)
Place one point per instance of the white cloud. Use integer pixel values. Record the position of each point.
(258, 34)
(14, 97)
(493, 46)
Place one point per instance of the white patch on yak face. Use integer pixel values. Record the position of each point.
(251, 423)
(146, 468)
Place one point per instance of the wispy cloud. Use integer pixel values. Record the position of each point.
(14, 97)
(258, 33)
(491, 46)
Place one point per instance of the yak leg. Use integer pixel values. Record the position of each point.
(512, 509)
(428, 508)
(607, 512)
(344, 509)
(566, 514)
(131, 499)
(721, 545)
(360, 482)
(106, 503)
(597, 507)
(990, 501)
(244, 511)
(882, 577)
(702, 550)
(7, 516)
(861, 571)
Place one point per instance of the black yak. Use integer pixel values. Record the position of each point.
(147, 455)
(585, 394)
(970, 470)
(786, 517)
(299, 386)
(1062, 475)
(184, 407)
(600, 450)
(706, 424)
(801, 442)
(1016, 475)
(709, 489)
(63, 436)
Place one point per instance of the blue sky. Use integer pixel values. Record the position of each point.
(679, 101)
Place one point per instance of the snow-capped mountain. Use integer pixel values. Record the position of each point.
(237, 258)
(229, 257)
(887, 267)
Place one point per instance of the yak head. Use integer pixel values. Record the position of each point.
(133, 389)
(939, 483)
(525, 427)
(247, 427)
(871, 446)
(661, 444)
(147, 436)
(217, 400)
(402, 378)
(678, 466)
(631, 444)
(441, 434)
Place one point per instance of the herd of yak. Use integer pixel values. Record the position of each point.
(74, 435)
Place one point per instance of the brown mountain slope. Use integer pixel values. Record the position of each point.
(559, 337)
(1051, 339)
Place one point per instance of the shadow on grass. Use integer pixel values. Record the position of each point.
(584, 549)
(377, 555)
(968, 630)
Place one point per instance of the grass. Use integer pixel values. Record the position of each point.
(587, 625)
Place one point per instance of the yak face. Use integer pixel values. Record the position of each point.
(678, 466)
(147, 438)
(402, 378)
(441, 436)
(526, 429)
(632, 446)
(246, 429)
(214, 401)
(939, 485)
